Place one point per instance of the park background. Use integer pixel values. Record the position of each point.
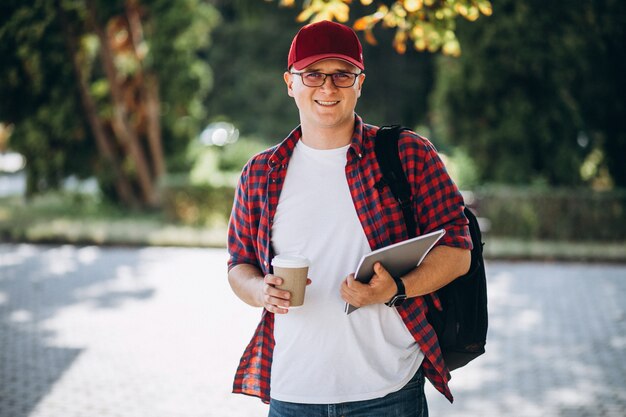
(128, 122)
(124, 125)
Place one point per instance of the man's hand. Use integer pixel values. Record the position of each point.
(249, 284)
(274, 299)
(380, 289)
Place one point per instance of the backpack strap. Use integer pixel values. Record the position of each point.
(461, 326)
(388, 156)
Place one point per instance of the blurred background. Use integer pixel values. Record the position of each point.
(141, 114)
(127, 122)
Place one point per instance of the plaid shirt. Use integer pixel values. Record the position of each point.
(437, 204)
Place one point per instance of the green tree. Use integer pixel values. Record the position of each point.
(598, 81)
(249, 57)
(102, 88)
(533, 83)
(427, 25)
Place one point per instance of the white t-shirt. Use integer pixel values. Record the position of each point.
(321, 354)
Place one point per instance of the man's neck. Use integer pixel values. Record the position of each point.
(327, 138)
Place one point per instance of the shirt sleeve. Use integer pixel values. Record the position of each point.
(241, 247)
(438, 201)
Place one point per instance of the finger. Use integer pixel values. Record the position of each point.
(270, 287)
(276, 309)
(275, 304)
(350, 281)
(273, 292)
(349, 291)
(275, 300)
(273, 279)
(351, 297)
(345, 290)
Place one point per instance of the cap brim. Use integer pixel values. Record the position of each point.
(303, 63)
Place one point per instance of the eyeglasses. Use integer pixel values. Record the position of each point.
(317, 79)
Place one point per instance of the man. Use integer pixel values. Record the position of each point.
(315, 194)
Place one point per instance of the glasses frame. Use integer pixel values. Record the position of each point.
(326, 75)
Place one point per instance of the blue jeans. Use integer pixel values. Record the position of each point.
(409, 401)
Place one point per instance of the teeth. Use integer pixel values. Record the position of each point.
(327, 103)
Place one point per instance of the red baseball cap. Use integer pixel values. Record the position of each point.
(324, 40)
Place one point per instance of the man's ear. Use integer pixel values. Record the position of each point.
(288, 77)
(360, 81)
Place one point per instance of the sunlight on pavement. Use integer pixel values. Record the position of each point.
(157, 332)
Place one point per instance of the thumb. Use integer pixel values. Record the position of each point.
(381, 272)
(379, 268)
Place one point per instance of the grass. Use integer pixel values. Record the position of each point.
(84, 219)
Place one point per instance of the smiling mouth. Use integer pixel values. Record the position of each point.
(326, 103)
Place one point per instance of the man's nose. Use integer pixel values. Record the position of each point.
(328, 83)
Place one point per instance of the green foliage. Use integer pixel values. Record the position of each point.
(37, 95)
(462, 169)
(199, 204)
(248, 60)
(180, 35)
(39, 89)
(217, 165)
(233, 157)
(250, 56)
(559, 214)
(60, 217)
(68, 204)
(424, 24)
(528, 85)
(538, 95)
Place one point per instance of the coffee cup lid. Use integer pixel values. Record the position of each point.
(290, 261)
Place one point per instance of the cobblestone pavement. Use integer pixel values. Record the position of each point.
(156, 332)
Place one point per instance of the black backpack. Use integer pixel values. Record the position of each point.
(462, 325)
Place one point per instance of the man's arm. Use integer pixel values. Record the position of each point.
(441, 266)
(249, 284)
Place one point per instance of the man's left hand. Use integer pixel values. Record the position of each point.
(380, 289)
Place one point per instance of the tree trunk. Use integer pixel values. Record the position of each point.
(149, 91)
(120, 123)
(103, 141)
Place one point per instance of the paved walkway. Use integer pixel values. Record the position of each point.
(156, 332)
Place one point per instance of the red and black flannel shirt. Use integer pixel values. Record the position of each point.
(437, 204)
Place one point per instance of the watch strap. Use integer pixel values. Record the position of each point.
(400, 293)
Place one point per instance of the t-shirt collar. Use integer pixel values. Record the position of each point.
(284, 150)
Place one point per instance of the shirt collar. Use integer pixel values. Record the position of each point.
(357, 136)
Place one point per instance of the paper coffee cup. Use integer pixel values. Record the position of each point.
(293, 269)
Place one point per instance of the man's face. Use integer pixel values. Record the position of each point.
(326, 106)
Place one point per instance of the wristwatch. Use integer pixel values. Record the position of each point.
(400, 296)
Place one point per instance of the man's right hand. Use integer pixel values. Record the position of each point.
(247, 283)
(273, 299)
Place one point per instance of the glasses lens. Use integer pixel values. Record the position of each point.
(313, 79)
(343, 79)
(316, 79)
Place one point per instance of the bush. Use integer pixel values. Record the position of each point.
(525, 213)
(198, 204)
(561, 214)
(234, 156)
